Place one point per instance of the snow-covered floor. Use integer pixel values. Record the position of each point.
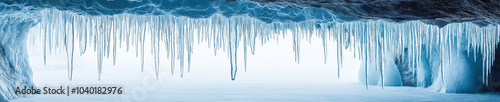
(144, 87)
(147, 89)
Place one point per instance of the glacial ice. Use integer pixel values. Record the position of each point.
(373, 40)
(14, 65)
(443, 52)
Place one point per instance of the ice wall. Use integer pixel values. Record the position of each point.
(453, 62)
(461, 73)
(14, 66)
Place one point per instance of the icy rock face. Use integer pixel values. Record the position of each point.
(494, 85)
(407, 72)
(14, 66)
(4, 65)
(424, 71)
(431, 11)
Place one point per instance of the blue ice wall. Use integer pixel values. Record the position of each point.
(14, 66)
(463, 71)
(457, 70)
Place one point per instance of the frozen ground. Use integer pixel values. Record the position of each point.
(200, 85)
(168, 89)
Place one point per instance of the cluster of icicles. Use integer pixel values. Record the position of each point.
(369, 40)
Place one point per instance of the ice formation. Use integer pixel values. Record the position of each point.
(371, 40)
(172, 26)
(14, 65)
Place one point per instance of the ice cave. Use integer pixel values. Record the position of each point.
(252, 50)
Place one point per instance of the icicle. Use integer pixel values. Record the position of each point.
(371, 40)
(69, 44)
(233, 52)
(245, 41)
(99, 45)
(172, 52)
(114, 45)
(323, 37)
(156, 53)
(383, 55)
(181, 24)
(366, 69)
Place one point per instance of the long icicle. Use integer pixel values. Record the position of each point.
(58, 30)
